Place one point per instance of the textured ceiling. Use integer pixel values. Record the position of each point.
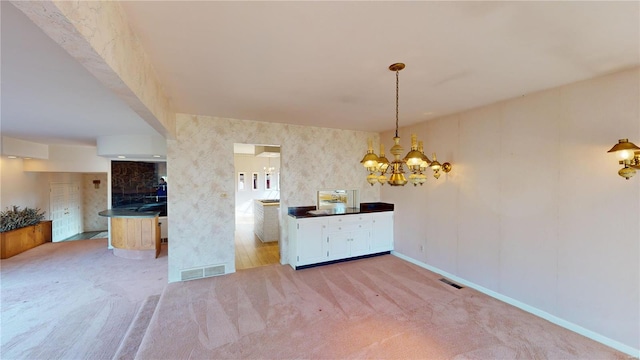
(326, 63)
(320, 63)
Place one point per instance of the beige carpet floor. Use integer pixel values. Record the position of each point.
(381, 307)
(73, 300)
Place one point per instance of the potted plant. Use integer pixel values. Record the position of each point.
(14, 218)
(21, 230)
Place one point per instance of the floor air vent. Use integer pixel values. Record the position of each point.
(451, 283)
(200, 273)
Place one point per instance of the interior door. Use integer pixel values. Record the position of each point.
(65, 210)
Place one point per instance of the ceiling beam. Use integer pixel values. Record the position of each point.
(98, 36)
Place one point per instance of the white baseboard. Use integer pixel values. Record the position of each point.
(530, 309)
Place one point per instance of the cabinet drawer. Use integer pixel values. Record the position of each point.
(348, 219)
(352, 226)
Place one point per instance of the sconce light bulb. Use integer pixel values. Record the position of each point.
(625, 154)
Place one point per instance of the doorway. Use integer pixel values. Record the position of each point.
(257, 206)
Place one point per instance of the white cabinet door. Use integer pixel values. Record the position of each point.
(342, 245)
(359, 243)
(310, 242)
(338, 245)
(348, 237)
(382, 232)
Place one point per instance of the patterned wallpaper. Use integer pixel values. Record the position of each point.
(93, 201)
(200, 164)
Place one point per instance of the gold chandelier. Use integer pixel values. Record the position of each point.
(416, 160)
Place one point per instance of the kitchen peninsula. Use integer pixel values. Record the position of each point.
(134, 234)
(266, 224)
(324, 236)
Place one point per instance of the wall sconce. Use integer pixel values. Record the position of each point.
(96, 184)
(628, 155)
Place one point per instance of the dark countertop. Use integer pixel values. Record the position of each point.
(124, 213)
(301, 212)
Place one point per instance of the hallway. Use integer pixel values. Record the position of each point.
(250, 251)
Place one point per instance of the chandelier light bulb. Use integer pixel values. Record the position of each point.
(383, 162)
(414, 157)
(435, 165)
(370, 160)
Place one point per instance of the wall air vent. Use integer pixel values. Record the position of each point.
(214, 270)
(203, 272)
(451, 283)
(191, 274)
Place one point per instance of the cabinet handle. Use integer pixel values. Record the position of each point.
(339, 228)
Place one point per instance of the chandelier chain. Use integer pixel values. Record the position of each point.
(397, 98)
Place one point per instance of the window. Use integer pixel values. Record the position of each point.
(254, 181)
(241, 180)
(268, 182)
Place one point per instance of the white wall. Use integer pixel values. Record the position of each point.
(23, 148)
(249, 164)
(21, 188)
(534, 209)
(200, 168)
(29, 189)
(69, 158)
(27, 182)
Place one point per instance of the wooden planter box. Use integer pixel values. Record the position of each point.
(20, 240)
